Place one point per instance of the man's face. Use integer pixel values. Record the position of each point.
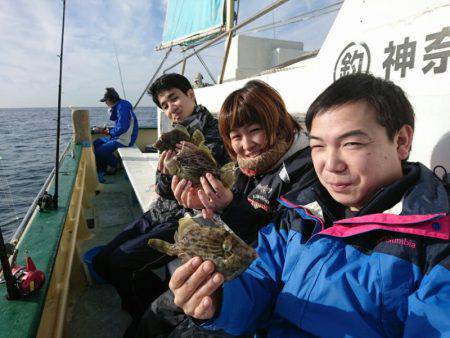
(109, 103)
(352, 154)
(176, 105)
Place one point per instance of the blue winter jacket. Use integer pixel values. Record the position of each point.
(377, 275)
(126, 126)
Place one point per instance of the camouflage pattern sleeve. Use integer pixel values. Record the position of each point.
(163, 185)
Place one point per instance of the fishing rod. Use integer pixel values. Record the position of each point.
(120, 71)
(58, 128)
(21, 281)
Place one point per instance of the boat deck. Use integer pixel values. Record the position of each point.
(97, 312)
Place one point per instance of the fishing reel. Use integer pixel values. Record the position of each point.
(104, 130)
(26, 279)
(45, 202)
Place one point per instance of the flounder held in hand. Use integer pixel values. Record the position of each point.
(168, 140)
(193, 163)
(209, 239)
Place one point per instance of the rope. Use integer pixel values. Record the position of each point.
(276, 24)
(206, 67)
(294, 19)
(153, 77)
(7, 193)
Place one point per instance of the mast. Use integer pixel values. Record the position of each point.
(58, 127)
(229, 27)
(230, 14)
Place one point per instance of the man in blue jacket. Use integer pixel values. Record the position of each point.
(123, 134)
(363, 253)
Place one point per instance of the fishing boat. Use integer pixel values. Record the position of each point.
(407, 42)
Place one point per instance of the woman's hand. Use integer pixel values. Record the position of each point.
(213, 195)
(196, 288)
(185, 194)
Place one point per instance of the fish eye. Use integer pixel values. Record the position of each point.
(226, 246)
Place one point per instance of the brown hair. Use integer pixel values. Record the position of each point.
(256, 102)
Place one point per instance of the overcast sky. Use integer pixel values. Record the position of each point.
(30, 33)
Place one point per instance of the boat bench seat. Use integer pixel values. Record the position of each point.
(140, 168)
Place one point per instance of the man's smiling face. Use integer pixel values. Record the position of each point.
(352, 154)
(177, 105)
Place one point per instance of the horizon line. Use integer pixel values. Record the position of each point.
(68, 107)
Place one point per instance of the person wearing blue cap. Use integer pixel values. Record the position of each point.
(123, 134)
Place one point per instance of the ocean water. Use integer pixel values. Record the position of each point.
(27, 153)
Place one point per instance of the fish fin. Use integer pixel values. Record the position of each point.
(172, 166)
(175, 237)
(197, 138)
(228, 174)
(184, 225)
(184, 257)
(158, 145)
(162, 246)
(182, 128)
(208, 152)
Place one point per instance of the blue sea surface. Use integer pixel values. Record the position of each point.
(27, 153)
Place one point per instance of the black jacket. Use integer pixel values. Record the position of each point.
(255, 198)
(203, 120)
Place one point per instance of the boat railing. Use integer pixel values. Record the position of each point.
(23, 224)
(285, 65)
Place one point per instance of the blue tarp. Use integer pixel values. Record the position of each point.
(185, 18)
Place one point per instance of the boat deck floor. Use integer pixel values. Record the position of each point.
(97, 312)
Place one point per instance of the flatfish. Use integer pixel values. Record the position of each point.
(193, 163)
(212, 240)
(168, 140)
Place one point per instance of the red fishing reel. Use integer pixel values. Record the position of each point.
(28, 278)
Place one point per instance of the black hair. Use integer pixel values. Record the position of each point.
(167, 82)
(390, 102)
(111, 95)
